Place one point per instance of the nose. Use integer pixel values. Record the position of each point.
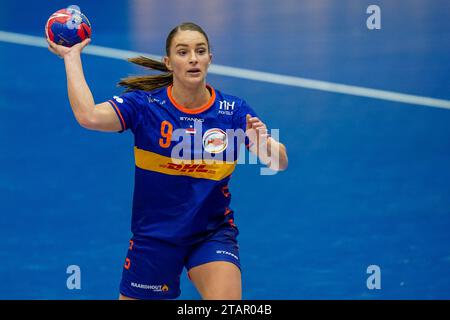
(193, 58)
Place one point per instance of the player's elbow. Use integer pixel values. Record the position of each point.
(86, 121)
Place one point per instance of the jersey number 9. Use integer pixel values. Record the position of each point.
(166, 134)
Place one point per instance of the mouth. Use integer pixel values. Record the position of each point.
(194, 71)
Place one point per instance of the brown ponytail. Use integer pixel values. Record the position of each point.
(147, 82)
(152, 82)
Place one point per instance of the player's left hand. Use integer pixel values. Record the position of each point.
(62, 51)
(256, 131)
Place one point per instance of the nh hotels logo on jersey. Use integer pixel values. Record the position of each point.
(226, 107)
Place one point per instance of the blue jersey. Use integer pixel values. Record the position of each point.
(184, 160)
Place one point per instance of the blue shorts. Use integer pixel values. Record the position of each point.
(152, 267)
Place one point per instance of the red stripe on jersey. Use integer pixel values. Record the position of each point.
(119, 113)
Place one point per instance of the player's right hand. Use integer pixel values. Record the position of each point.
(62, 51)
(256, 131)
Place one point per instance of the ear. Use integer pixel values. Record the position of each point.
(166, 61)
(210, 58)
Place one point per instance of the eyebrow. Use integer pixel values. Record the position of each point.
(185, 45)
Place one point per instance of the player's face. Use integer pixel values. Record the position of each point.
(189, 57)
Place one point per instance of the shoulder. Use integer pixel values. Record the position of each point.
(143, 93)
(228, 101)
(141, 97)
(157, 92)
(223, 96)
(130, 96)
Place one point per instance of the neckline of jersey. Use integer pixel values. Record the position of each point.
(196, 110)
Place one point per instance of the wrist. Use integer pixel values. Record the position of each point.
(71, 55)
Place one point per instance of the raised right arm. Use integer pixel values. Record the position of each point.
(100, 117)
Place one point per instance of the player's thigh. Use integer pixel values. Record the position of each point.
(217, 280)
(214, 265)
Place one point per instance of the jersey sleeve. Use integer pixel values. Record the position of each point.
(128, 108)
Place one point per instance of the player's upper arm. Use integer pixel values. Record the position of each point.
(103, 118)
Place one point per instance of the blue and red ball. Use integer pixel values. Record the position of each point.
(68, 27)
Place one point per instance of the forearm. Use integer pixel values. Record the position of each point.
(273, 154)
(80, 96)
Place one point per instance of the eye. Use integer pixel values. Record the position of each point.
(181, 52)
(201, 50)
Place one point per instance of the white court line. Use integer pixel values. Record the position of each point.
(100, 51)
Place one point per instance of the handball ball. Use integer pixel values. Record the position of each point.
(68, 27)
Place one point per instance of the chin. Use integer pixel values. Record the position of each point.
(194, 81)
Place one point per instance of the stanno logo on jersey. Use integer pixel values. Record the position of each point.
(215, 140)
(226, 107)
(191, 119)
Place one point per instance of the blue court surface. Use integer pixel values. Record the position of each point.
(368, 181)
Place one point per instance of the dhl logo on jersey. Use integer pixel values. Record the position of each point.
(205, 169)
